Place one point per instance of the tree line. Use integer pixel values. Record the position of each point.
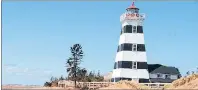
(75, 72)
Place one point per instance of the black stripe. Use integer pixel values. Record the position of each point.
(142, 65)
(129, 47)
(139, 29)
(115, 65)
(141, 80)
(141, 47)
(129, 29)
(144, 81)
(129, 65)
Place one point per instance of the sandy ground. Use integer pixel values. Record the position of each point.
(26, 87)
(189, 82)
(125, 85)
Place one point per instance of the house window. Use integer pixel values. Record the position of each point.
(134, 29)
(134, 46)
(134, 65)
(159, 75)
(167, 76)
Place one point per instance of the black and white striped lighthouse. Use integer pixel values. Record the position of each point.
(131, 59)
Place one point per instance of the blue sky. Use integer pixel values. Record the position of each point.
(37, 36)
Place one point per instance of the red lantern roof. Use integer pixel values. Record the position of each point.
(132, 6)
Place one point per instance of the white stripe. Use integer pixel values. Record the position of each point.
(133, 23)
(137, 38)
(131, 56)
(130, 73)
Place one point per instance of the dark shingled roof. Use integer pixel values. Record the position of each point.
(152, 67)
(157, 68)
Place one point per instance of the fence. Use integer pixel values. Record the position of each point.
(96, 85)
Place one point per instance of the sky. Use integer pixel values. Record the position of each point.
(37, 36)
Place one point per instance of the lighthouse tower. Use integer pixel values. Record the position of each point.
(131, 60)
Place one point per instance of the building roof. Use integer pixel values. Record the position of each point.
(157, 68)
(152, 67)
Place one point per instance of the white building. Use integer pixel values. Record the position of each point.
(131, 60)
(163, 74)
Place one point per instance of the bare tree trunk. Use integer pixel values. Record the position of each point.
(75, 72)
(75, 79)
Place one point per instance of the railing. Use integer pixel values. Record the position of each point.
(132, 16)
(96, 85)
(155, 85)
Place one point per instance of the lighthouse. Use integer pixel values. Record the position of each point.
(131, 60)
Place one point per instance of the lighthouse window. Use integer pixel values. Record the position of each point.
(126, 64)
(140, 47)
(132, 11)
(136, 11)
(115, 65)
(131, 29)
(127, 47)
(131, 65)
(139, 29)
(122, 47)
(119, 64)
(128, 29)
(142, 65)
